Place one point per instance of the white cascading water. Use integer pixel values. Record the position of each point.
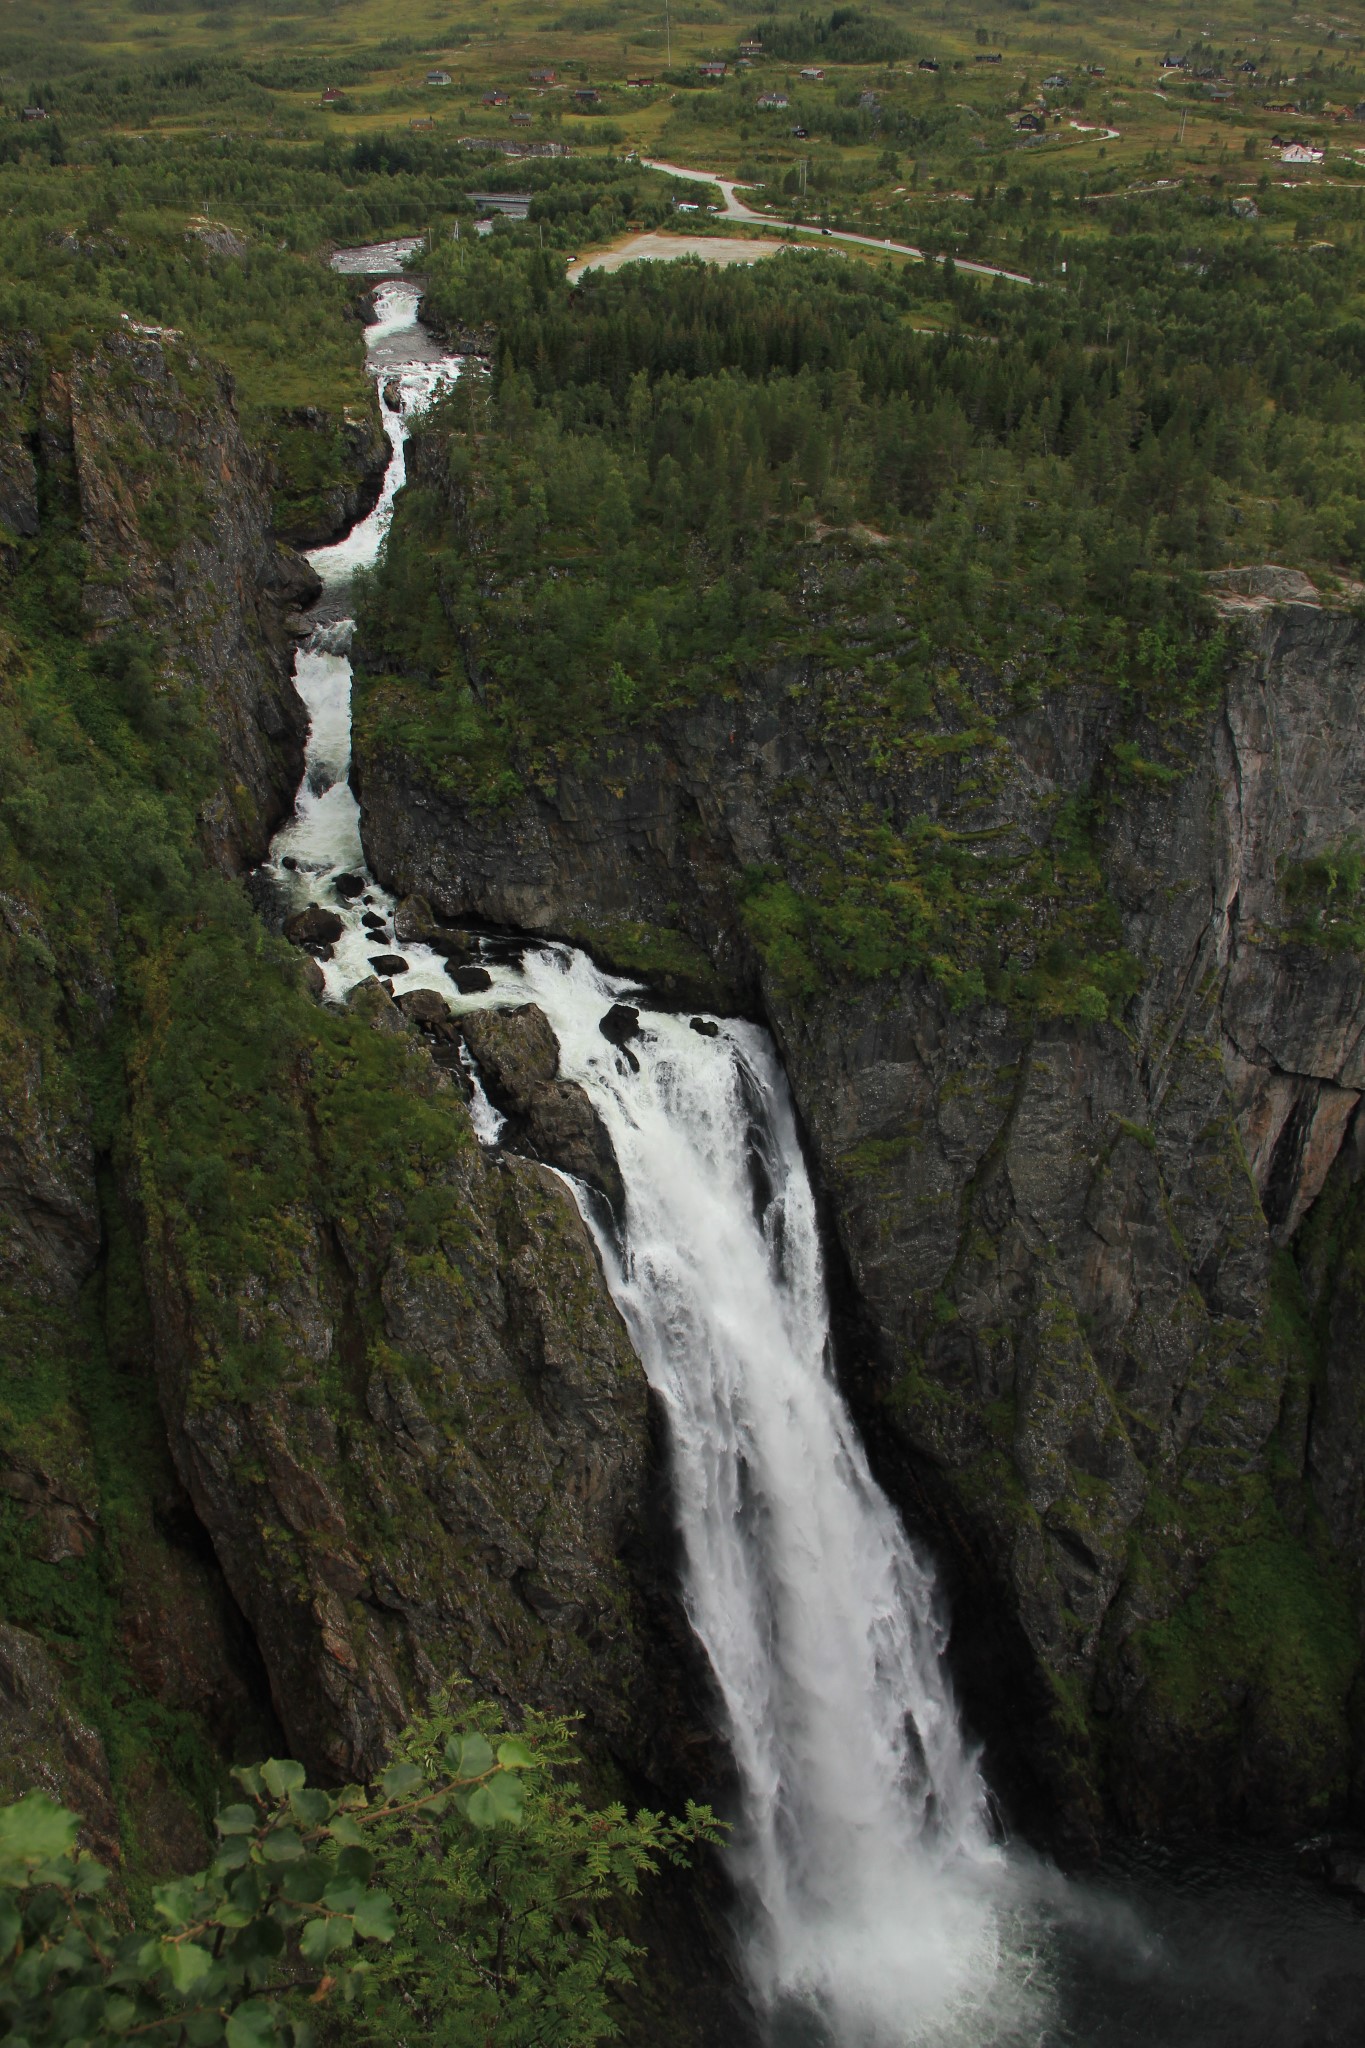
(876, 1904)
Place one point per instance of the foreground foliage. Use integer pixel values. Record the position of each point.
(488, 1924)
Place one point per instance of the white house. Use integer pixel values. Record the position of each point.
(1300, 153)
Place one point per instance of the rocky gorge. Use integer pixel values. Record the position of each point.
(326, 1406)
(1095, 1271)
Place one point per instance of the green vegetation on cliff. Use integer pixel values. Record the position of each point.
(491, 1926)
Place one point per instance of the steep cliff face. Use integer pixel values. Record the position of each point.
(1059, 1180)
(143, 602)
(407, 1411)
(311, 1407)
(142, 441)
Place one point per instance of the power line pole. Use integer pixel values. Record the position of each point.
(668, 32)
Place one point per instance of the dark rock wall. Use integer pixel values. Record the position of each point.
(1068, 1347)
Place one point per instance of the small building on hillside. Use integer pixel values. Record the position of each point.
(1030, 124)
(928, 64)
(421, 121)
(331, 96)
(638, 84)
(713, 70)
(35, 113)
(495, 99)
(587, 96)
(772, 100)
(751, 47)
(1055, 83)
(1301, 153)
(812, 72)
(543, 74)
(989, 57)
(1359, 114)
(520, 120)
(438, 78)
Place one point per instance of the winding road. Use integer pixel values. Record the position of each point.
(735, 209)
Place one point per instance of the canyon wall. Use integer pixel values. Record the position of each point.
(1064, 1227)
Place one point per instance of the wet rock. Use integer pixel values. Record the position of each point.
(289, 862)
(388, 963)
(470, 981)
(621, 1024)
(431, 1013)
(705, 1027)
(314, 928)
(349, 887)
(314, 980)
(393, 394)
(552, 1119)
(373, 922)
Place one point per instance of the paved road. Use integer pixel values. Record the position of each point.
(735, 209)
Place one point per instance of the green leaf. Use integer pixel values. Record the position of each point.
(498, 1802)
(175, 1902)
(513, 1755)
(476, 1757)
(323, 1937)
(234, 1854)
(344, 1830)
(249, 1778)
(236, 1820)
(355, 1863)
(11, 1927)
(36, 1829)
(374, 1917)
(310, 1806)
(252, 2026)
(400, 1781)
(345, 1896)
(282, 1776)
(282, 1845)
(305, 1883)
(119, 2012)
(185, 1963)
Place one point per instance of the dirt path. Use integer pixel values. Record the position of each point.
(735, 209)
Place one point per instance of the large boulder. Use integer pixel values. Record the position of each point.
(314, 928)
(547, 1117)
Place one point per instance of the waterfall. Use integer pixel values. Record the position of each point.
(876, 1906)
(861, 1845)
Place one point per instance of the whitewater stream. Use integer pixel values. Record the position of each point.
(876, 1908)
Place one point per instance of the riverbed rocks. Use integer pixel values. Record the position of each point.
(316, 928)
(551, 1118)
(1057, 1223)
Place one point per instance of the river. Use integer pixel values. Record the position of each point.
(878, 1906)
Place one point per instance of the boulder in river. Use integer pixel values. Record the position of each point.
(552, 1119)
(705, 1027)
(348, 887)
(373, 922)
(621, 1023)
(315, 929)
(430, 1012)
(470, 981)
(388, 963)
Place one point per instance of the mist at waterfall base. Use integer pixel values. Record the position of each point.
(876, 1908)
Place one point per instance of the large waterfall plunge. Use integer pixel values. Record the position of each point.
(876, 1913)
(860, 1848)
(861, 1844)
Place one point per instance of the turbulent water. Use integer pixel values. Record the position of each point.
(877, 1911)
